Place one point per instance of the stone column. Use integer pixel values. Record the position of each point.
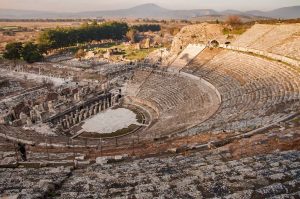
(32, 114)
(68, 124)
(70, 121)
(28, 121)
(100, 107)
(74, 121)
(104, 104)
(91, 111)
(64, 123)
(85, 115)
(113, 100)
(95, 110)
(108, 103)
(76, 118)
(80, 118)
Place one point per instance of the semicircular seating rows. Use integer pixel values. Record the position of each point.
(179, 101)
(255, 91)
(281, 39)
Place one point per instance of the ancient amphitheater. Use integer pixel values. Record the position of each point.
(219, 120)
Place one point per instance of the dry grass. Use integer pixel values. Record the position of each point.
(33, 29)
(39, 25)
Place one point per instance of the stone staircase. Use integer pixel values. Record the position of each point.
(186, 56)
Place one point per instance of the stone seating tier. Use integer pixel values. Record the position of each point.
(255, 91)
(281, 39)
(197, 175)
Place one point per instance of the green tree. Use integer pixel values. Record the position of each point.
(43, 48)
(31, 53)
(147, 27)
(13, 51)
(62, 37)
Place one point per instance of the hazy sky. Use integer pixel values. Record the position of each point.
(84, 5)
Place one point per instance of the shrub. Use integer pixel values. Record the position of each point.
(31, 53)
(147, 27)
(28, 51)
(234, 21)
(13, 51)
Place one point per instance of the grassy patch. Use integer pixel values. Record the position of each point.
(138, 54)
(296, 120)
(9, 28)
(235, 31)
(107, 45)
(129, 52)
(139, 116)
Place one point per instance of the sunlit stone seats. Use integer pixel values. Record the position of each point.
(253, 89)
(281, 39)
(181, 101)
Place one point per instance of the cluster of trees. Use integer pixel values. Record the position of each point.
(236, 26)
(147, 27)
(63, 37)
(29, 52)
(133, 33)
(234, 21)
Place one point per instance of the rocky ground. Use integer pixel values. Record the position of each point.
(199, 175)
(263, 166)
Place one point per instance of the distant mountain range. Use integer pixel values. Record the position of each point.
(152, 11)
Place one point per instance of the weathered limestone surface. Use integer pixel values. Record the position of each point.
(281, 39)
(178, 101)
(31, 183)
(199, 175)
(197, 34)
(255, 91)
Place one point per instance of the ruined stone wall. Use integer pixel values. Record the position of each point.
(197, 34)
(78, 113)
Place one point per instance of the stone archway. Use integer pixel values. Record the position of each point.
(214, 43)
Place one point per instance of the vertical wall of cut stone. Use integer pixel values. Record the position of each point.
(78, 114)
